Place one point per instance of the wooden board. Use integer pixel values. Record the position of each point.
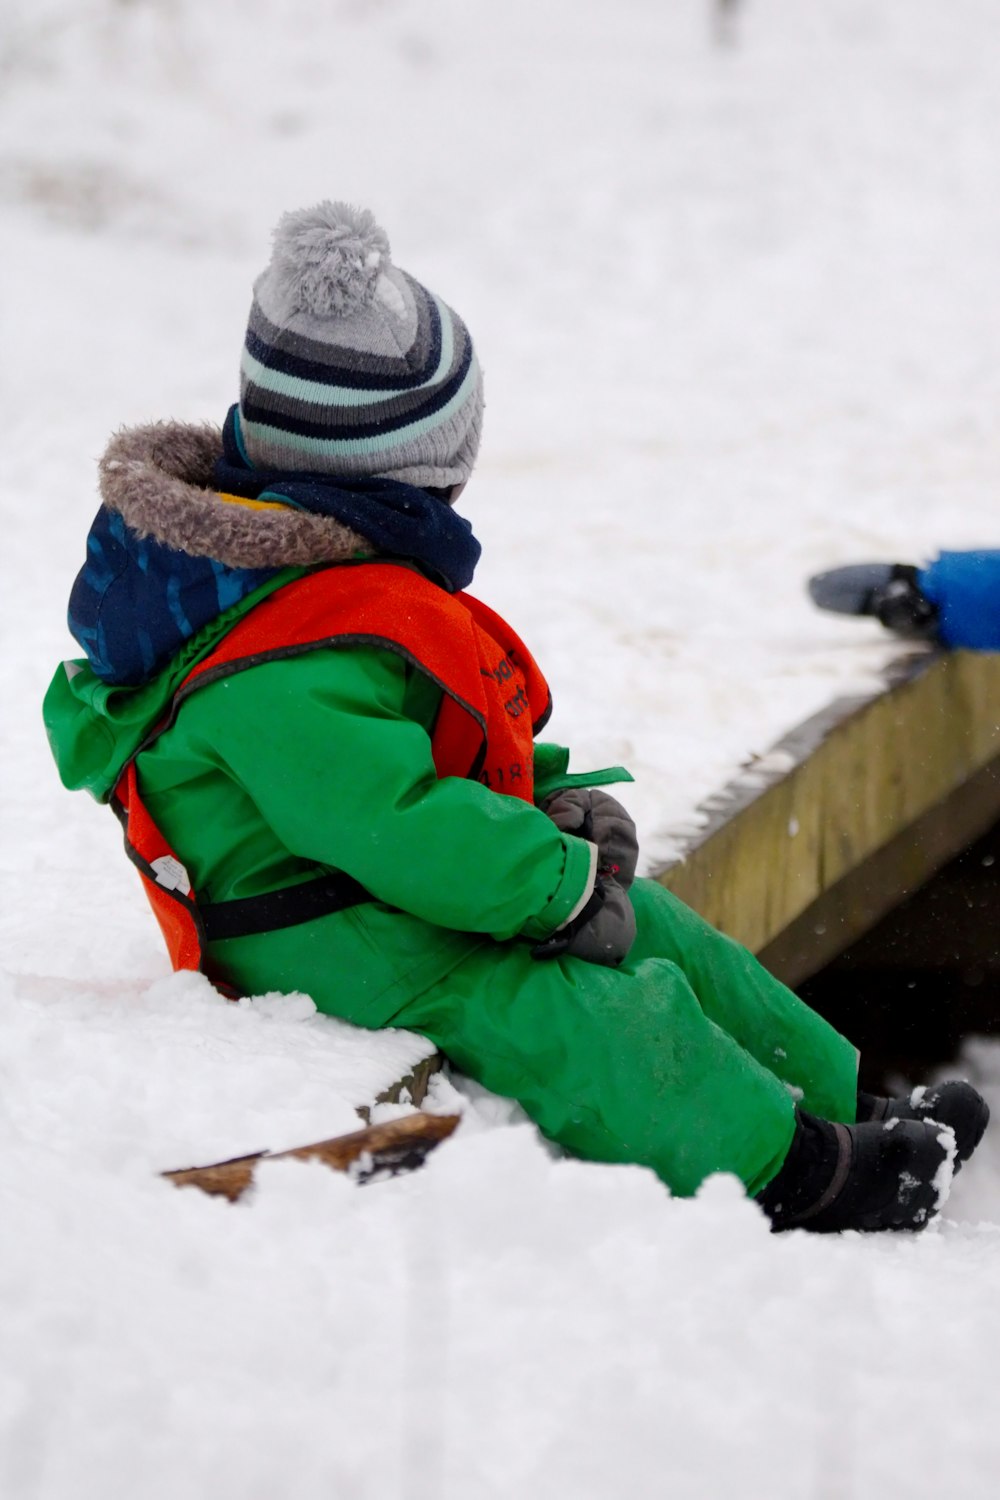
(387, 1149)
(850, 812)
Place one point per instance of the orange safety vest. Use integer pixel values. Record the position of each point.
(494, 701)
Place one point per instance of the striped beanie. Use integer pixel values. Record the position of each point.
(350, 367)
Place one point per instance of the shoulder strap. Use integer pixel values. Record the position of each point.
(454, 639)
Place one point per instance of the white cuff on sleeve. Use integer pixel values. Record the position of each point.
(588, 889)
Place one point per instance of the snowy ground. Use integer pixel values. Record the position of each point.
(735, 296)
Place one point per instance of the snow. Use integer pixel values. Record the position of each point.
(732, 278)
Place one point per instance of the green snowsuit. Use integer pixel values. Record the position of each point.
(685, 1059)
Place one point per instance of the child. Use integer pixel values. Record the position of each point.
(321, 750)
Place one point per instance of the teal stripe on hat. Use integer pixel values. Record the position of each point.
(279, 437)
(319, 393)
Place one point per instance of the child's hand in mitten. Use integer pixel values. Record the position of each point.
(602, 933)
(591, 814)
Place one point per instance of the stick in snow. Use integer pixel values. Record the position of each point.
(395, 1146)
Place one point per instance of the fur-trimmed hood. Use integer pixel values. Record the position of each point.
(166, 555)
(158, 478)
(188, 530)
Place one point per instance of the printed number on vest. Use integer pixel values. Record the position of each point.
(500, 778)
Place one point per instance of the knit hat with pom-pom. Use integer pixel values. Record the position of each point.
(350, 367)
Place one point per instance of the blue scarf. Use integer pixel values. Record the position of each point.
(399, 519)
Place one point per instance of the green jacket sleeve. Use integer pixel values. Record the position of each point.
(331, 748)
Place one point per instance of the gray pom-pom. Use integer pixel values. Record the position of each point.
(327, 259)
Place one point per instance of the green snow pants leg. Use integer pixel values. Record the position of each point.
(685, 1059)
(757, 1010)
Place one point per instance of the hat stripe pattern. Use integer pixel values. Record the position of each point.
(301, 438)
(310, 403)
(290, 380)
(294, 352)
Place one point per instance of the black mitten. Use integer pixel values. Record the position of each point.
(591, 814)
(889, 591)
(602, 933)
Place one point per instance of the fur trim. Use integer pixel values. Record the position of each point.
(159, 479)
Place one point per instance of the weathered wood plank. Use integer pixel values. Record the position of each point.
(396, 1145)
(909, 775)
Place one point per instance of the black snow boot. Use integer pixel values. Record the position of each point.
(955, 1104)
(888, 1174)
(889, 591)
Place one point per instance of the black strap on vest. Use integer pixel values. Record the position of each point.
(285, 908)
